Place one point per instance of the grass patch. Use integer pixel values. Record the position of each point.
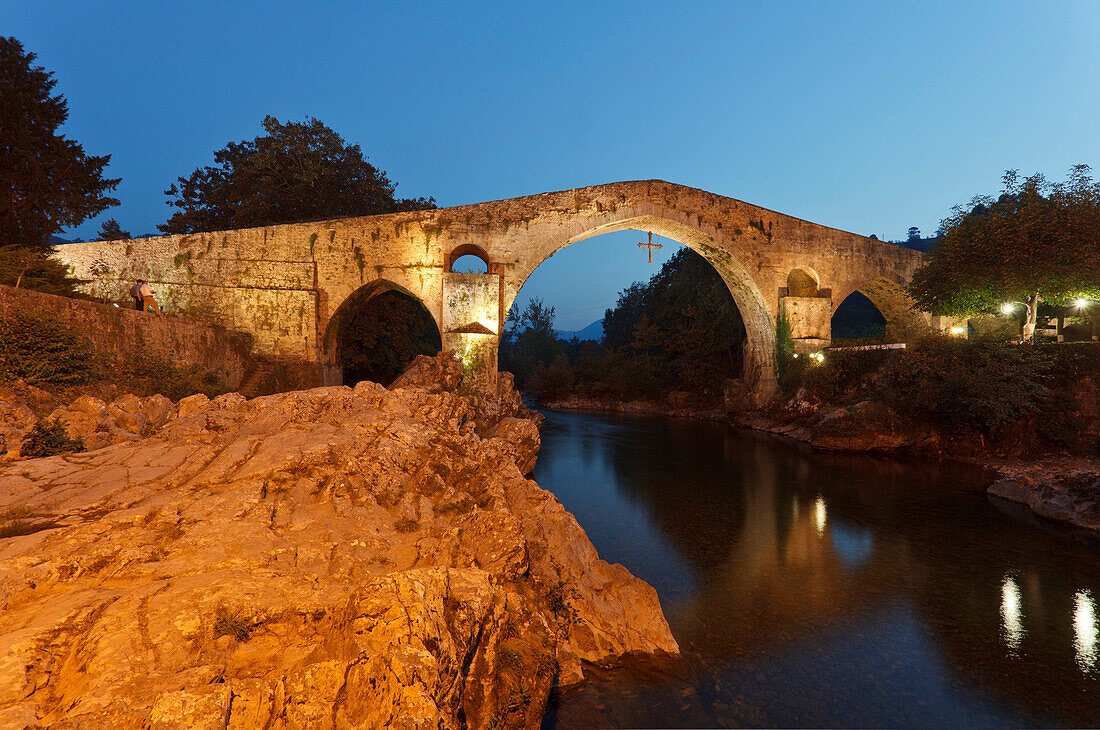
(232, 623)
(405, 525)
(16, 521)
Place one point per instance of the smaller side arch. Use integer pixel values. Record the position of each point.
(802, 281)
(466, 249)
(356, 303)
(904, 320)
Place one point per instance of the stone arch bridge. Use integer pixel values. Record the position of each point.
(290, 285)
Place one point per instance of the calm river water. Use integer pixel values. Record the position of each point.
(821, 590)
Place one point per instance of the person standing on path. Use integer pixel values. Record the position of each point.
(135, 292)
(147, 298)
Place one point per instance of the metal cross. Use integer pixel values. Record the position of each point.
(651, 245)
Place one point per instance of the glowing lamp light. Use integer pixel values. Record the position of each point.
(796, 356)
(819, 356)
(1007, 308)
(958, 330)
(1080, 303)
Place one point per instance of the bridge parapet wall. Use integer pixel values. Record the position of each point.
(284, 283)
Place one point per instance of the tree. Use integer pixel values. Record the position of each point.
(34, 268)
(913, 234)
(112, 231)
(1036, 242)
(295, 171)
(47, 182)
(689, 332)
(529, 340)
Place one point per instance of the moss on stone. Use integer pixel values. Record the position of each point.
(360, 262)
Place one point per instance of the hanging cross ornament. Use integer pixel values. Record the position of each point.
(651, 245)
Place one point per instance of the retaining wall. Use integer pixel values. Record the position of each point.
(118, 332)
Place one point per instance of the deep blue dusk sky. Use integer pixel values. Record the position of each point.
(866, 116)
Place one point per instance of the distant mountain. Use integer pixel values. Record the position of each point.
(593, 331)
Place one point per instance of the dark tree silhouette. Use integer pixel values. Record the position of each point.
(293, 172)
(112, 231)
(379, 340)
(47, 182)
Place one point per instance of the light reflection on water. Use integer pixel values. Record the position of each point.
(819, 515)
(1084, 630)
(1011, 615)
(812, 589)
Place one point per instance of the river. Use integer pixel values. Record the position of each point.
(823, 590)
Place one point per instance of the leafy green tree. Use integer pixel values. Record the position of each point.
(47, 182)
(620, 321)
(1037, 241)
(112, 231)
(691, 329)
(293, 172)
(34, 268)
(529, 340)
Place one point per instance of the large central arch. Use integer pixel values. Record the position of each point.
(759, 357)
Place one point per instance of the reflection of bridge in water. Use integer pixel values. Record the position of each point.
(794, 551)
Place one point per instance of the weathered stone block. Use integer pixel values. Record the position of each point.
(808, 317)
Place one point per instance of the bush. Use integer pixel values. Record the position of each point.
(155, 374)
(784, 344)
(47, 438)
(983, 383)
(843, 374)
(553, 382)
(43, 351)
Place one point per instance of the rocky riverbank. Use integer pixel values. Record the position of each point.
(1062, 490)
(333, 557)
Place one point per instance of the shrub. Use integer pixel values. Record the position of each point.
(232, 623)
(43, 351)
(844, 373)
(48, 437)
(984, 383)
(784, 344)
(155, 374)
(551, 382)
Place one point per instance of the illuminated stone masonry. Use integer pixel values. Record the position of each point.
(285, 284)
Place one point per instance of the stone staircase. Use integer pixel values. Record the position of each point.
(252, 385)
